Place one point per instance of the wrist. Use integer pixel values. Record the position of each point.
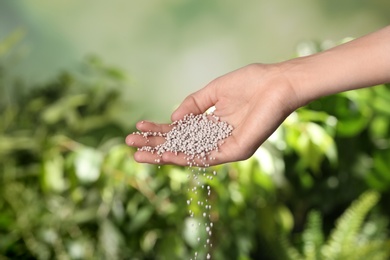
(296, 73)
(315, 76)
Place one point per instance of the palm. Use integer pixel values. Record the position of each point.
(249, 99)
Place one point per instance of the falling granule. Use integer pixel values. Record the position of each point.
(196, 136)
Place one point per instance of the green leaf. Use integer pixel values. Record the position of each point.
(87, 164)
(342, 240)
(52, 175)
(313, 237)
(141, 218)
(63, 109)
(110, 240)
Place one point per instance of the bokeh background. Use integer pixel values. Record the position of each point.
(174, 46)
(75, 76)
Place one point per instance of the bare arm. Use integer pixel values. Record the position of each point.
(257, 98)
(363, 62)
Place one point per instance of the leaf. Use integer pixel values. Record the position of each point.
(87, 164)
(312, 143)
(313, 237)
(110, 240)
(61, 109)
(140, 218)
(52, 175)
(375, 250)
(288, 252)
(284, 218)
(341, 242)
(379, 128)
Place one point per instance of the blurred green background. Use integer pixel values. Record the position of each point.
(175, 46)
(69, 188)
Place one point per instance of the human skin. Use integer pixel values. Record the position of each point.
(257, 98)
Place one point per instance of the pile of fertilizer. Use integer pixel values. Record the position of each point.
(194, 135)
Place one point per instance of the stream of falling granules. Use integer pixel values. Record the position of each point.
(195, 136)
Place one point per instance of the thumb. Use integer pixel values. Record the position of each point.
(196, 103)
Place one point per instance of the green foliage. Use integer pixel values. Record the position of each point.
(347, 240)
(55, 141)
(313, 237)
(342, 241)
(69, 188)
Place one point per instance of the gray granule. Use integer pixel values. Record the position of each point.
(194, 135)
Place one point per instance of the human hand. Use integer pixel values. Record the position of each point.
(257, 98)
(254, 100)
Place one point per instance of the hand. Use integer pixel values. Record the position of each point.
(254, 100)
(257, 98)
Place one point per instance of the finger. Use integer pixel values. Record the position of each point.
(146, 126)
(196, 103)
(148, 157)
(153, 158)
(138, 140)
(180, 159)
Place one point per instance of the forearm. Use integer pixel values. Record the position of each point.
(359, 63)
